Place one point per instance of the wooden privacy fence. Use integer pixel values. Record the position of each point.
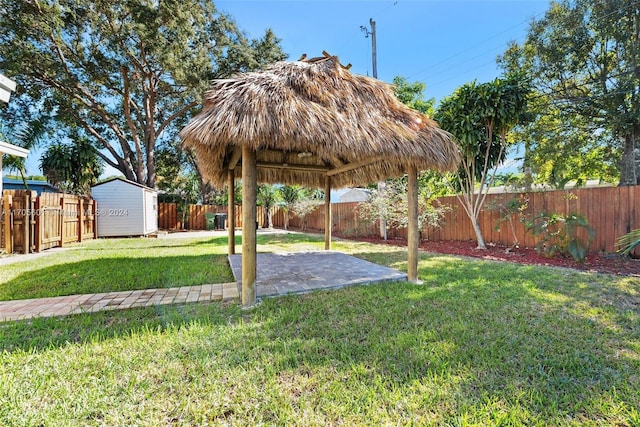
(610, 211)
(31, 223)
(169, 217)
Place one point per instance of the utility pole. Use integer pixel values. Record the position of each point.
(374, 60)
(372, 33)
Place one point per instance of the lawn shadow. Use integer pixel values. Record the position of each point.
(287, 238)
(481, 335)
(46, 333)
(117, 274)
(496, 342)
(217, 241)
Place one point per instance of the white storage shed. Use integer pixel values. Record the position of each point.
(125, 208)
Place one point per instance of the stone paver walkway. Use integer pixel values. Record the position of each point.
(277, 274)
(291, 273)
(88, 303)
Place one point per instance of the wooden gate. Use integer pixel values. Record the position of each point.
(18, 221)
(31, 223)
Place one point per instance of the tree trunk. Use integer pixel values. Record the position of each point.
(286, 219)
(628, 174)
(151, 167)
(478, 231)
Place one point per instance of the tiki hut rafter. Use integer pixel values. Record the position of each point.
(312, 122)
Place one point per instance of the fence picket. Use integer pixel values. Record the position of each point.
(611, 211)
(34, 223)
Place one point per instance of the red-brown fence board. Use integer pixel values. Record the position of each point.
(51, 220)
(610, 211)
(168, 216)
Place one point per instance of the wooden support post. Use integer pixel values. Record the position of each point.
(328, 223)
(412, 232)
(80, 219)
(8, 236)
(61, 225)
(249, 261)
(26, 223)
(39, 222)
(94, 220)
(231, 211)
(32, 221)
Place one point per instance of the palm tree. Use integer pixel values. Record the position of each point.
(290, 195)
(75, 168)
(268, 198)
(28, 137)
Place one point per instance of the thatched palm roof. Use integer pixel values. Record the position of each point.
(312, 118)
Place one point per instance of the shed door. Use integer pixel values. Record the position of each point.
(150, 212)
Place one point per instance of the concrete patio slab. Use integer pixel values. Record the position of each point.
(281, 274)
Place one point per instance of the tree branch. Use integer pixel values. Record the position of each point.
(175, 115)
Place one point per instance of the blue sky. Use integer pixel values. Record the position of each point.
(442, 43)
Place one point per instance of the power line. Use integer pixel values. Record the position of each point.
(444, 61)
(437, 70)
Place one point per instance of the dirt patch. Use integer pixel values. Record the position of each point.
(595, 262)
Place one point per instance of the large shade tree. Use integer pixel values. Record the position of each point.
(128, 73)
(174, 164)
(480, 116)
(584, 55)
(561, 147)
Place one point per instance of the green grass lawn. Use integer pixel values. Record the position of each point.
(479, 343)
(106, 265)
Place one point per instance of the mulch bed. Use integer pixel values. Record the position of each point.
(595, 262)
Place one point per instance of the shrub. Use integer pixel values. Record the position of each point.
(627, 243)
(559, 234)
(510, 210)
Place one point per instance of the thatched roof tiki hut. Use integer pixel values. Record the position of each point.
(311, 122)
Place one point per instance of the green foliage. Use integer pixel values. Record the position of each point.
(269, 196)
(511, 210)
(187, 188)
(72, 167)
(562, 146)
(627, 243)
(29, 136)
(481, 116)
(390, 203)
(511, 181)
(432, 184)
(412, 94)
(173, 164)
(128, 73)
(582, 58)
(559, 234)
(290, 194)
